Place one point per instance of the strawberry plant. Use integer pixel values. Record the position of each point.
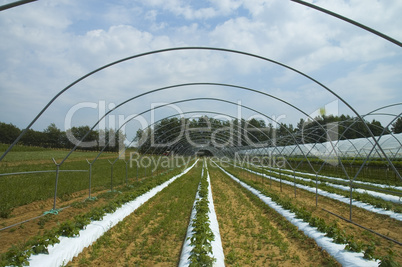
(388, 260)
(202, 234)
(339, 236)
(18, 256)
(68, 229)
(369, 252)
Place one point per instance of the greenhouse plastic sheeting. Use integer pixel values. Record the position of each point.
(360, 147)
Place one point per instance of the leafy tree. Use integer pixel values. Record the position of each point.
(53, 135)
(33, 138)
(397, 126)
(376, 127)
(8, 133)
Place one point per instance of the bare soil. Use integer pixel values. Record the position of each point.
(255, 235)
(379, 223)
(70, 205)
(152, 235)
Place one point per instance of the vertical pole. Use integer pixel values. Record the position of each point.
(137, 170)
(111, 175)
(280, 178)
(262, 170)
(90, 177)
(152, 167)
(126, 171)
(316, 190)
(57, 181)
(270, 178)
(350, 207)
(294, 181)
(111, 178)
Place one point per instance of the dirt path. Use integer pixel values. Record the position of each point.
(255, 235)
(153, 235)
(379, 223)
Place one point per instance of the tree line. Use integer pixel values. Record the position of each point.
(178, 135)
(175, 134)
(53, 137)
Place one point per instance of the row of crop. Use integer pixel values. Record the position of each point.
(202, 235)
(363, 197)
(330, 230)
(29, 183)
(352, 161)
(368, 173)
(18, 255)
(343, 185)
(396, 190)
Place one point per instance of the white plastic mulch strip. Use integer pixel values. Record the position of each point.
(70, 247)
(371, 208)
(217, 250)
(343, 180)
(186, 249)
(383, 196)
(344, 257)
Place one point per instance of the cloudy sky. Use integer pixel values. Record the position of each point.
(47, 45)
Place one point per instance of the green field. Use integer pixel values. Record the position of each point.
(22, 189)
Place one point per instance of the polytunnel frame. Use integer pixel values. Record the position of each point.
(172, 129)
(112, 163)
(208, 147)
(167, 104)
(181, 85)
(353, 122)
(174, 102)
(226, 101)
(337, 141)
(384, 131)
(372, 149)
(152, 149)
(209, 49)
(206, 112)
(300, 2)
(117, 106)
(120, 153)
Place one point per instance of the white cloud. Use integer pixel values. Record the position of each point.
(48, 45)
(371, 84)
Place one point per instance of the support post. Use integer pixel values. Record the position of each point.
(351, 199)
(55, 186)
(111, 175)
(90, 180)
(126, 172)
(316, 190)
(294, 181)
(137, 170)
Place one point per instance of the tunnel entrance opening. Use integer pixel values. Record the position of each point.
(204, 153)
